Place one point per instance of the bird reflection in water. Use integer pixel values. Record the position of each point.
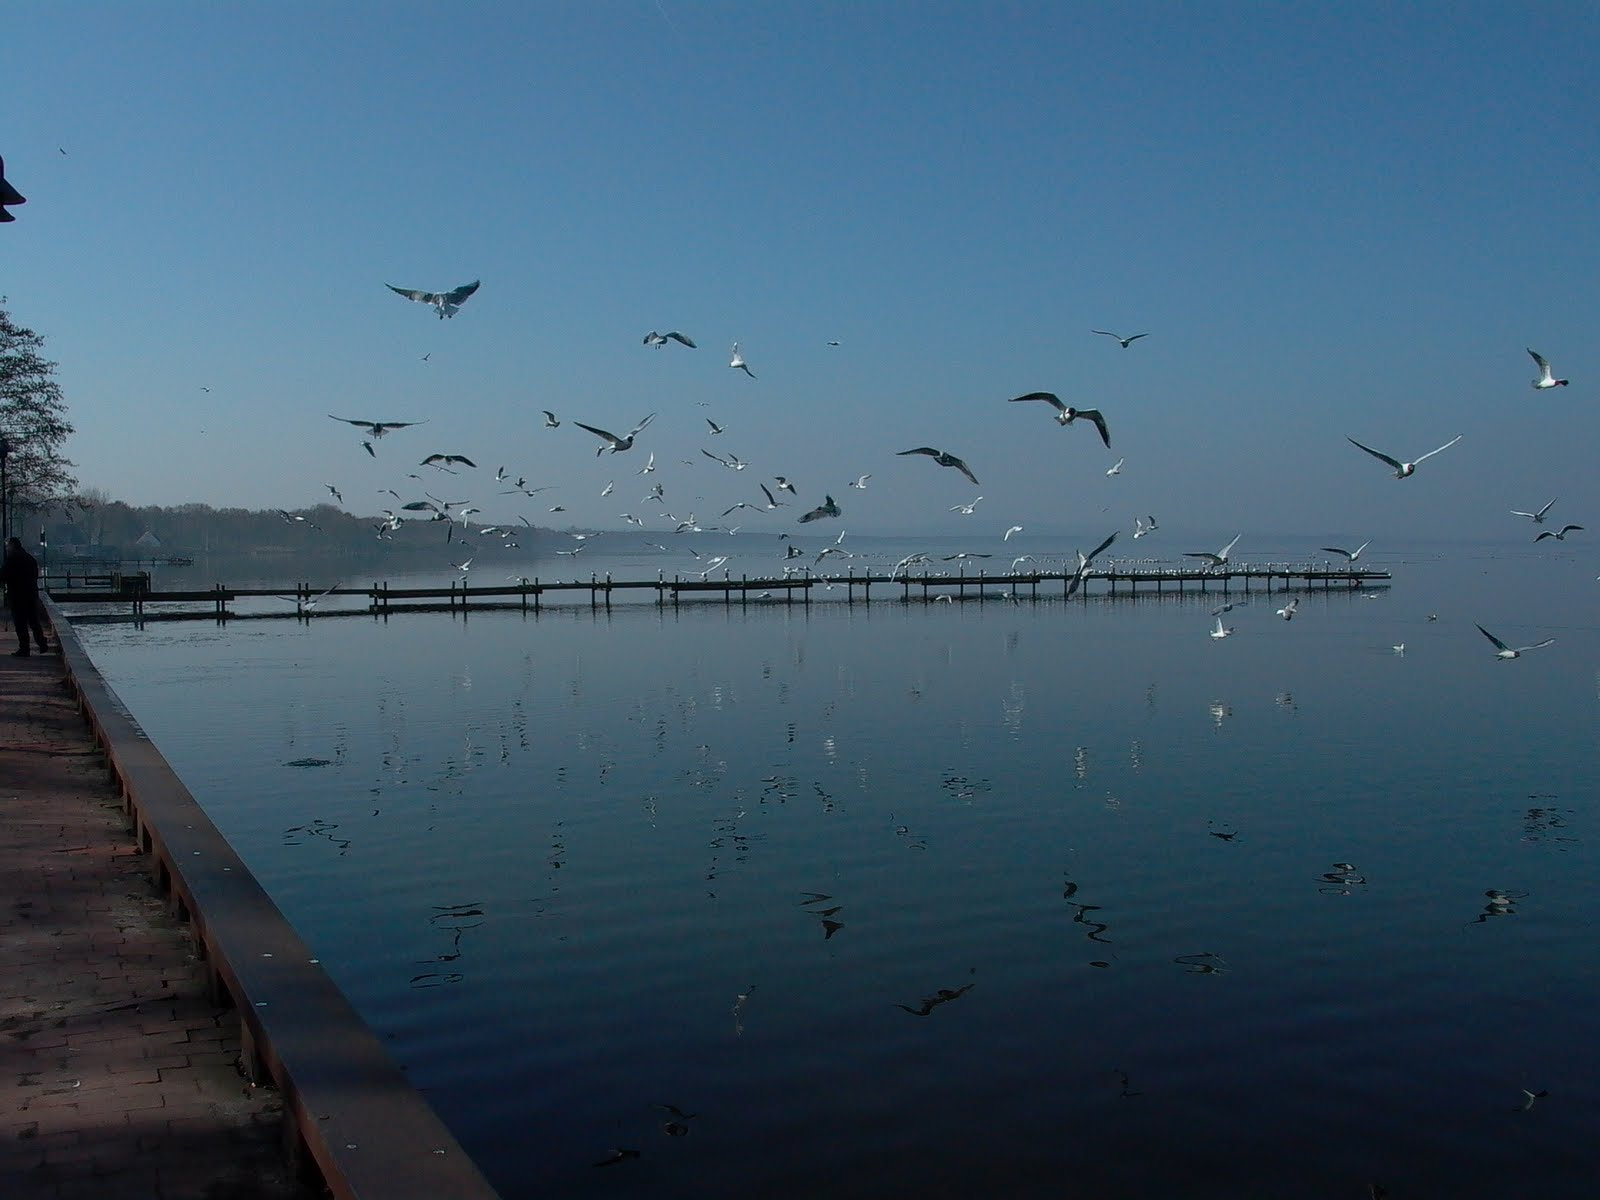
(825, 915)
(454, 919)
(1080, 912)
(1499, 904)
(1545, 824)
(1340, 879)
(1204, 963)
(677, 1123)
(295, 835)
(942, 996)
(739, 1001)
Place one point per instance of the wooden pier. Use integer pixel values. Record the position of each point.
(133, 600)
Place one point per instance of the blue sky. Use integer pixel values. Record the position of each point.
(1348, 220)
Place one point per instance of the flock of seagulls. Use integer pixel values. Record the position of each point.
(449, 303)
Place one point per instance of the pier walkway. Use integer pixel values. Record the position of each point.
(109, 599)
(119, 1076)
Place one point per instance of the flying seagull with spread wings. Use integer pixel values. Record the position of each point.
(945, 460)
(1219, 559)
(659, 340)
(1547, 378)
(1126, 341)
(1401, 469)
(614, 443)
(827, 509)
(447, 304)
(1066, 414)
(376, 429)
(1501, 650)
(1536, 517)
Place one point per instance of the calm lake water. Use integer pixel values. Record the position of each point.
(946, 900)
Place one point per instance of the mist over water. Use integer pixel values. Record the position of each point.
(983, 898)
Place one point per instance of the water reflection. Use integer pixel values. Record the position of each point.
(942, 996)
(1339, 880)
(824, 915)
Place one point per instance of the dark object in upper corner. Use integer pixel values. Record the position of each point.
(8, 194)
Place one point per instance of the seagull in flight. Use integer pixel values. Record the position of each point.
(1116, 470)
(1560, 537)
(614, 443)
(861, 482)
(945, 460)
(826, 509)
(659, 340)
(1401, 469)
(1219, 559)
(715, 428)
(1501, 650)
(447, 303)
(1221, 631)
(1066, 414)
(1351, 555)
(1536, 517)
(442, 460)
(1140, 528)
(1009, 532)
(1126, 341)
(737, 362)
(376, 429)
(1288, 610)
(1083, 563)
(334, 492)
(965, 509)
(550, 419)
(1547, 377)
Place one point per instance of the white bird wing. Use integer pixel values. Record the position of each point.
(637, 428)
(1446, 446)
(1228, 549)
(1537, 645)
(1544, 364)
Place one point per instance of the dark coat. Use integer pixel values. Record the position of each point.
(20, 574)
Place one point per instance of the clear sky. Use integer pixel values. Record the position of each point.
(1332, 220)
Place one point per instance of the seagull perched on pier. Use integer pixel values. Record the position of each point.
(1125, 341)
(1066, 414)
(659, 340)
(1351, 555)
(1560, 537)
(737, 362)
(1220, 559)
(614, 443)
(1547, 377)
(827, 509)
(448, 304)
(1501, 650)
(945, 460)
(376, 429)
(1536, 517)
(1401, 469)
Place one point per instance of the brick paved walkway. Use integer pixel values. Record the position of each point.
(118, 1079)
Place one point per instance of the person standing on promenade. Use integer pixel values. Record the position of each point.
(20, 574)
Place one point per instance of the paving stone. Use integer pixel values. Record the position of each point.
(99, 986)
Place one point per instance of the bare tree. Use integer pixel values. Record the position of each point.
(33, 422)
